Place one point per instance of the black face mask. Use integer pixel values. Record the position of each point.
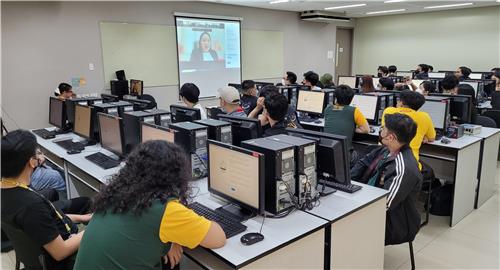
(380, 138)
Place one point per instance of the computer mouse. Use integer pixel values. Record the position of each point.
(317, 121)
(445, 141)
(372, 130)
(251, 238)
(73, 151)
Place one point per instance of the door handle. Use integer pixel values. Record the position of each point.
(337, 56)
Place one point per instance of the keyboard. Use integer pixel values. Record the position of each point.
(103, 161)
(45, 134)
(308, 119)
(349, 188)
(70, 145)
(230, 226)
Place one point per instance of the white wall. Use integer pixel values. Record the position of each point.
(445, 40)
(45, 43)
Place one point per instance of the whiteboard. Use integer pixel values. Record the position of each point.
(148, 52)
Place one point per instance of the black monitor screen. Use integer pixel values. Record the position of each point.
(242, 128)
(184, 114)
(57, 112)
(460, 108)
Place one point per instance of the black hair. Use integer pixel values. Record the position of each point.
(343, 94)
(392, 69)
(268, 89)
(311, 77)
(429, 86)
(465, 89)
(412, 99)
(276, 106)
(190, 91)
(465, 71)
(291, 77)
(424, 67)
(431, 68)
(449, 82)
(384, 69)
(64, 87)
(154, 171)
(18, 147)
(202, 34)
(247, 85)
(388, 83)
(402, 126)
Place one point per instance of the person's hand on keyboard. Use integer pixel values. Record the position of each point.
(174, 255)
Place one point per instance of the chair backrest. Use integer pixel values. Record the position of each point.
(27, 251)
(493, 114)
(495, 100)
(151, 105)
(485, 121)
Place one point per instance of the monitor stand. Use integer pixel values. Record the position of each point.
(87, 142)
(236, 211)
(65, 130)
(324, 189)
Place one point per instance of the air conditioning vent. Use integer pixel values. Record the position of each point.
(324, 17)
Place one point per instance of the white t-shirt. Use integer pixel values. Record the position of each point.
(316, 88)
(203, 113)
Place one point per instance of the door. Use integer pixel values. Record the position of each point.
(343, 59)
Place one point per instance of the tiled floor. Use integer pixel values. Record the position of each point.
(471, 244)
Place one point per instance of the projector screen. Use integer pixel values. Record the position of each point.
(209, 52)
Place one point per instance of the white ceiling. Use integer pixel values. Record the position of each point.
(411, 6)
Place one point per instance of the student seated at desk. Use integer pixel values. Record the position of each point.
(385, 83)
(392, 71)
(449, 85)
(382, 71)
(311, 79)
(409, 103)
(366, 84)
(229, 101)
(327, 81)
(426, 87)
(343, 119)
(140, 216)
(422, 72)
(393, 167)
(275, 111)
(431, 68)
(289, 79)
(462, 73)
(190, 94)
(248, 99)
(64, 91)
(496, 76)
(291, 119)
(465, 89)
(28, 210)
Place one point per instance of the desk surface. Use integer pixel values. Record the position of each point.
(487, 132)
(277, 233)
(339, 204)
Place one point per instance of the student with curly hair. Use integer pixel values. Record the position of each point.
(141, 215)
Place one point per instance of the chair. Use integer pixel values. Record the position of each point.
(495, 100)
(493, 114)
(27, 251)
(485, 121)
(152, 104)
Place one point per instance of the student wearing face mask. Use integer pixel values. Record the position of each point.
(248, 99)
(393, 167)
(229, 101)
(26, 209)
(462, 73)
(382, 71)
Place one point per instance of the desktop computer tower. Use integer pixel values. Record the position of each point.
(305, 165)
(213, 112)
(132, 127)
(217, 130)
(280, 173)
(193, 138)
(119, 88)
(162, 117)
(123, 106)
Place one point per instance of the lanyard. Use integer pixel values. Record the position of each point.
(17, 184)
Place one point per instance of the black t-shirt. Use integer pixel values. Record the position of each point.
(277, 129)
(32, 214)
(248, 103)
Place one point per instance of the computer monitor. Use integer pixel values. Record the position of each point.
(57, 112)
(332, 156)
(139, 104)
(136, 87)
(236, 85)
(236, 175)
(83, 121)
(119, 88)
(347, 80)
(259, 85)
(109, 98)
(71, 103)
(474, 84)
(154, 132)
(242, 128)
(375, 82)
(367, 105)
(184, 114)
(111, 133)
(438, 109)
(312, 102)
(405, 73)
(120, 75)
(476, 76)
(437, 75)
(461, 109)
